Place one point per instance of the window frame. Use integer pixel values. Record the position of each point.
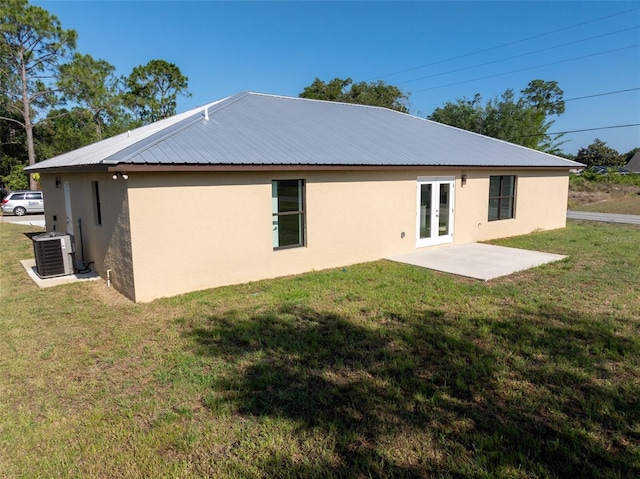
(501, 196)
(97, 207)
(300, 212)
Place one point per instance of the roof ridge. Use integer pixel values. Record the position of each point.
(192, 117)
(225, 102)
(285, 132)
(332, 102)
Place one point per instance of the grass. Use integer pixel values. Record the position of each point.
(375, 370)
(625, 205)
(605, 196)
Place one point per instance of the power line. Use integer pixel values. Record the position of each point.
(578, 131)
(506, 44)
(601, 94)
(594, 129)
(529, 68)
(517, 56)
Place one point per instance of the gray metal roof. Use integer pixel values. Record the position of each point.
(266, 130)
(633, 164)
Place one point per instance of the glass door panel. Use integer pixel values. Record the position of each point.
(435, 211)
(443, 210)
(425, 210)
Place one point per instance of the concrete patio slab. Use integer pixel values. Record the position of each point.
(479, 261)
(29, 266)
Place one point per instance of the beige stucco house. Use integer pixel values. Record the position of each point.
(258, 186)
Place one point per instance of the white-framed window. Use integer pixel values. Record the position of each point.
(502, 197)
(288, 214)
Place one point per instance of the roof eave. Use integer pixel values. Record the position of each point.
(97, 168)
(318, 167)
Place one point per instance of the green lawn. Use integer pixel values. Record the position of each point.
(621, 195)
(374, 370)
(625, 205)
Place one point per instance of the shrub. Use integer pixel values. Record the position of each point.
(17, 179)
(612, 178)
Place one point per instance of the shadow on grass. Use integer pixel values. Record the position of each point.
(425, 396)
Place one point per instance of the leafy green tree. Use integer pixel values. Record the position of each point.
(378, 94)
(152, 90)
(64, 130)
(32, 46)
(544, 96)
(511, 120)
(345, 91)
(599, 154)
(546, 99)
(335, 90)
(16, 179)
(522, 120)
(12, 142)
(94, 86)
(463, 113)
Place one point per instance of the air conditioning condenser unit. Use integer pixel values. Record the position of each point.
(54, 254)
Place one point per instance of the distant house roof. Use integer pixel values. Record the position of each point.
(252, 129)
(633, 164)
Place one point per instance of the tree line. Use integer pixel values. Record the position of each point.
(523, 119)
(55, 99)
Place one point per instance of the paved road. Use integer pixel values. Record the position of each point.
(35, 220)
(605, 217)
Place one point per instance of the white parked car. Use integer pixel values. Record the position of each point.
(22, 202)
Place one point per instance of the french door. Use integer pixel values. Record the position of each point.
(435, 211)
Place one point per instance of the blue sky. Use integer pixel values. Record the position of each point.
(437, 51)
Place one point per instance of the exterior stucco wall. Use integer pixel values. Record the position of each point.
(106, 246)
(541, 204)
(54, 214)
(216, 229)
(168, 233)
(192, 231)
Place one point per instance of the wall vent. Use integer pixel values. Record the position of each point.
(54, 254)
